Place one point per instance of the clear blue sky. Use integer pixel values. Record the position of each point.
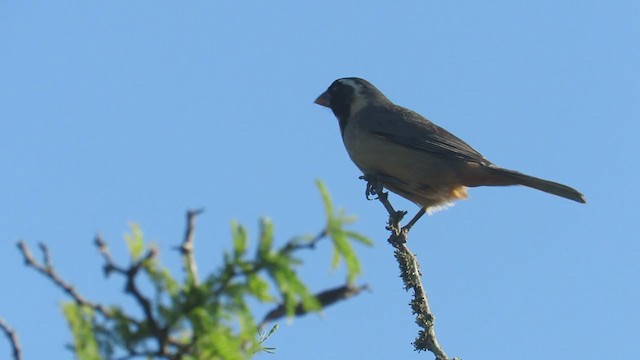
(120, 111)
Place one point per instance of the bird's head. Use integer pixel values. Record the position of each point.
(346, 96)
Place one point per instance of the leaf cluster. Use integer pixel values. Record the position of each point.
(213, 318)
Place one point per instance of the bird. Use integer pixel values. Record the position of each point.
(413, 157)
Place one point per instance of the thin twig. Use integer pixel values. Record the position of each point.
(46, 268)
(13, 339)
(409, 272)
(109, 265)
(299, 243)
(186, 249)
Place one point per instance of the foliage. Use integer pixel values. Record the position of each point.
(209, 319)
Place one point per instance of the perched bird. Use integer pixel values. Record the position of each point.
(413, 157)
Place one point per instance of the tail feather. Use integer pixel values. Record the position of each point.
(517, 178)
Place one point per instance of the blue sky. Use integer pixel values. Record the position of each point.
(119, 112)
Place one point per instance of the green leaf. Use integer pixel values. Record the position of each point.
(358, 237)
(346, 218)
(335, 258)
(326, 198)
(80, 320)
(258, 288)
(135, 241)
(240, 239)
(266, 237)
(282, 276)
(248, 331)
(269, 350)
(343, 247)
(201, 321)
(290, 286)
(273, 330)
(220, 343)
(264, 337)
(170, 284)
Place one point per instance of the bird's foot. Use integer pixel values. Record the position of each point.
(374, 186)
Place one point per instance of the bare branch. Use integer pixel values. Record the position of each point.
(186, 249)
(160, 333)
(46, 268)
(13, 339)
(409, 271)
(109, 265)
(325, 298)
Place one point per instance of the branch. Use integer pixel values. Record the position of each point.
(132, 289)
(325, 298)
(160, 333)
(410, 273)
(295, 243)
(409, 270)
(46, 268)
(186, 249)
(13, 339)
(109, 265)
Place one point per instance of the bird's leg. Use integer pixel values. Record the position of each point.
(413, 221)
(375, 187)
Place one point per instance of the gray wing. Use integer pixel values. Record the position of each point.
(408, 128)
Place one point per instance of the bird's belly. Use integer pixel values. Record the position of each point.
(422, 177)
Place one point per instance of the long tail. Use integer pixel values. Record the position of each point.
(510, 177)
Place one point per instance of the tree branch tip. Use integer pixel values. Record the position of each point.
(98, 240)
(153, 252)
(46, 257)
(12, 337)
(107, 269)
(24, 249)
(195, 212)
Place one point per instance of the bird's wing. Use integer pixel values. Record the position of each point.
(409, 129)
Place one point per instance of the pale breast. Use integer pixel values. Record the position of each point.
(425, 178)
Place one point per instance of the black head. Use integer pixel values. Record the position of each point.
(347, 96)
